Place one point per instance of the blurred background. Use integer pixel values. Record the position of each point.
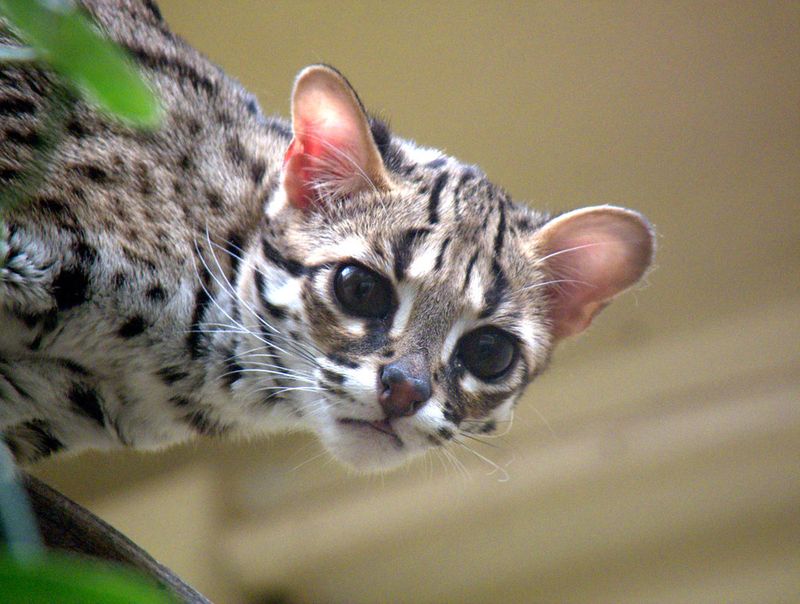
(659, 459)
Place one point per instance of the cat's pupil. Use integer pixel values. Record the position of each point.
(362, 292)
(488, 352)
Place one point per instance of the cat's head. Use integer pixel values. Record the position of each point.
(406, 299)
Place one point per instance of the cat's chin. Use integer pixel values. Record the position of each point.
(366, 446)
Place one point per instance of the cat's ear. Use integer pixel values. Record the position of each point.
(332, 153)
(591, 255)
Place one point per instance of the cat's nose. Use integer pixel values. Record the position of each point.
(407, 385)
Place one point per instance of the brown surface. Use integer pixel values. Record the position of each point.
(67, 526)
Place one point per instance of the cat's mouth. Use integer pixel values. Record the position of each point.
(383, 426)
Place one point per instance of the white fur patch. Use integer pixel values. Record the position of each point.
(277, 203)
(458, 329)
(471, 384)
(423, 263)
(350, 247)
(287, 295)
(475, 291)
(362, 382)
(406, 295)
(353, 326)
(422, 155)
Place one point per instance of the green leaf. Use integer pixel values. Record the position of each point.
(65, 38)
(61, 579)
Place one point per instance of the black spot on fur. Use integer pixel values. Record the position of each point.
(332, 376)
(86, 401)
(214, 200)
(41, 438)
(257, 170)
(235, 249)
(403, 249)
(30, 320)
(433, 200)
(276, 312)
(154, 10)
(182, 402)
(92, 172)
(9, 174)
(74, 367)
(156, 293)
(343, 361)
(185, 162)
(170, 375)
(451, 415)
(252, 106)
(204, 425)
(71, 288)
(436, 163)
(445, 433)
(489, 426)
(132, 327)
(76, 128)
(48, 321)
(86, 253)
(233, 370)
(30, 139)
(195, 340)
(16, 106)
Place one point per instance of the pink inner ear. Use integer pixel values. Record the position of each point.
(591, 256)
(330, 153)
(320, 153)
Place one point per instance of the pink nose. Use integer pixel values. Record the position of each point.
(407, 386)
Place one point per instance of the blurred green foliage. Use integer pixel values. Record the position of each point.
(62, 579)
(62, 36)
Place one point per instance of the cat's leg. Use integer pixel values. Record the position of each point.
(25, 282)
(40, 277)
(50, 405)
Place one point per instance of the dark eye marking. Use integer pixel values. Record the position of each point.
(496, 292)
(362, 292)
(403, 249)
(488, 353)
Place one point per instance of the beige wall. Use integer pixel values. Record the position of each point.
(658, 460)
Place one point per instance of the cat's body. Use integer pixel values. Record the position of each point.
(230, 273)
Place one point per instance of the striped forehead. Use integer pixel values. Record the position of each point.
(352, 247)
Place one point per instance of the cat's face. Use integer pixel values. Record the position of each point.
(418, 300)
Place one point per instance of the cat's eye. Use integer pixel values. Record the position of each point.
(488, 352)
(362, 292)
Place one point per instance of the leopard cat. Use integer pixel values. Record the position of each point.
(230, 273)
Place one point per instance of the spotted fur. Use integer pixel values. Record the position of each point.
(160, 285)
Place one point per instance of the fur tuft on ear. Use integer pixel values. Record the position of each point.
(332, 153)
(590, 256)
